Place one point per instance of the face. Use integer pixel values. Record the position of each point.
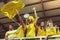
(42, 24)
(57, 26)
(48, 22)
(11, 27)
(29, 21)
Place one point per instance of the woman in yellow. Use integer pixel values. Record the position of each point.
(50, 29)
(41, 30)
(31, 27)
(20, 29)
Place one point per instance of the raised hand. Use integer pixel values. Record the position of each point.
(35, 13)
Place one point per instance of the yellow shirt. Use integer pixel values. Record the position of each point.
(58, 32)
(11, 34)
(41, 32)
(30, 30)
(51, 31)
(20, 32)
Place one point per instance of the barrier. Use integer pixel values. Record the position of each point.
(57, 37)
(40, 37)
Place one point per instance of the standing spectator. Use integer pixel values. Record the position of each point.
(41, 29)
(10, 34)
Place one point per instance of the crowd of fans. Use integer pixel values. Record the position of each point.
(32, 28)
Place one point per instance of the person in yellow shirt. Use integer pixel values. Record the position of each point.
(11, 33)
(41, 29)
(31, 27)
(50, 29)
(21, 29)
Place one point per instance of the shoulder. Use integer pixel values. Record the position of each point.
(10, 32)
(7, 33)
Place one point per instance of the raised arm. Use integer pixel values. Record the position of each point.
(35, 13)
(20, 19)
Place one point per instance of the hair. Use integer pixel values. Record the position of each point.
(12, 25)
(50, 21)
(39, 22)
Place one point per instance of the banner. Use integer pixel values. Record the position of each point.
(9, 9)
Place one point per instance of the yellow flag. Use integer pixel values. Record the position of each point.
(10, 8)
(20, 32)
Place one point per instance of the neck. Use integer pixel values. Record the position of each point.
(11, 29)
(41, 27)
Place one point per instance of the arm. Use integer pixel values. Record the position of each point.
(21, 21)
(6, 37)
(36, 29)
(36, 18)
(35, 13)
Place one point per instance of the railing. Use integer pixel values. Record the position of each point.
(55, 37)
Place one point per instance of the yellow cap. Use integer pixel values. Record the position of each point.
(31, 18)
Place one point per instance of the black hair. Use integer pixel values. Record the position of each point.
(39, 21)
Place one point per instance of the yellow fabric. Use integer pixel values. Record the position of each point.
(11, 34)
(31, 18)
(30, 30)
(58, 32)
(41, 32)
(10, 8)
(51, 31)
(20, 32)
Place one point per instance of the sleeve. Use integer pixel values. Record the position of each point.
(18, 29)
(6, 33)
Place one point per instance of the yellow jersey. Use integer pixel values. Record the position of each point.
(51, 31)
(41, 32)
(30, 30)
(11, 34)
(20, 32)
(58, 32)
